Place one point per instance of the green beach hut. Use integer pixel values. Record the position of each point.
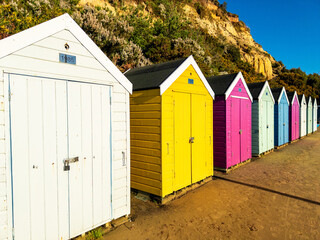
(262, 118)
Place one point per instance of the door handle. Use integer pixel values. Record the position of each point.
(267, 126)
(240, 131)
(191, 140)
(67, 161)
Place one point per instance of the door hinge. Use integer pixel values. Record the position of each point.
(110, 98)
(174, 102)
(13, 237)
(9, 95)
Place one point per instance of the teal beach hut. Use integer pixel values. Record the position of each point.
(262, 118)
(309, 115)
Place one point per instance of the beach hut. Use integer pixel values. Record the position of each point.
(309, 115)
(314, 116)
(262, 118)
(281, 116)
(231, 120)
(64, 134)
(294, 111)
(171, 127)
(302, 115)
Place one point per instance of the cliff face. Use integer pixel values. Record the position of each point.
(216, 22)
(235, 33)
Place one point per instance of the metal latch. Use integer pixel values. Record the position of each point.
(240, 131)
(191, 140)
(267, 126)
(124, 162)
(67, 161)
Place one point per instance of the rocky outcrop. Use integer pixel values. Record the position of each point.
(236, 33)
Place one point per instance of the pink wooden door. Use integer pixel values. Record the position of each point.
(244, 130)
(235, 134)
(293, 132)
(294, 122)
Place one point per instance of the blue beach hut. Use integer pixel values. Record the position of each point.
(281, 116)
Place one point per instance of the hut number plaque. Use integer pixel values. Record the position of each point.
(65, 58)
(190, 81)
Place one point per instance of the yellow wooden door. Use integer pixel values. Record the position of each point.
(198, 132)
(182, 134)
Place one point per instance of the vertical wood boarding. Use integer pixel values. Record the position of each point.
(239, 92)
(167, 126)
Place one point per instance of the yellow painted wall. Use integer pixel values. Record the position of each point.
(145, 117)
(167, 128)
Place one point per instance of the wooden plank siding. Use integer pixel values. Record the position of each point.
(145, 120)
(219, 129)
(3, 168)
(256, 128)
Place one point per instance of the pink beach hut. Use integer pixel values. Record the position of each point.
(294, 115)
(231, 120)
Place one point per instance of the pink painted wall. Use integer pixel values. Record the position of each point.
(294, 120)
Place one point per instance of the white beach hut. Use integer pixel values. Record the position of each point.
(64, 160)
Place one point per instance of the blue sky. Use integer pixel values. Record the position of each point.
(288, 29)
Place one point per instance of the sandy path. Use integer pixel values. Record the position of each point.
(274, 197)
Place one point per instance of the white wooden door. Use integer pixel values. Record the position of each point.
(89, 139)
(53, 120)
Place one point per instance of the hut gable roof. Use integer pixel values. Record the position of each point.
(224, 84)
(64, 22)
(291, 96)
(152, 76)
(301, 98)
(278, 92)
(162, 75)
(257, 89)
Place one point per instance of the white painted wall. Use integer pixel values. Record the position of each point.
(42, 59)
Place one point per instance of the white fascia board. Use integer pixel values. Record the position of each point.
(309, 101)
(303, 100)
(233, 84)
(283, 91)
(86, 41)
(266, 85)
(29, 36)
(173, 76)
(295, 95)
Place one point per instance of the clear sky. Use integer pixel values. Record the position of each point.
(288, 29)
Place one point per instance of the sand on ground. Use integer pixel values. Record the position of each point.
(273, 197)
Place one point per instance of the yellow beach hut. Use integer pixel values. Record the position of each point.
(171, 126)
